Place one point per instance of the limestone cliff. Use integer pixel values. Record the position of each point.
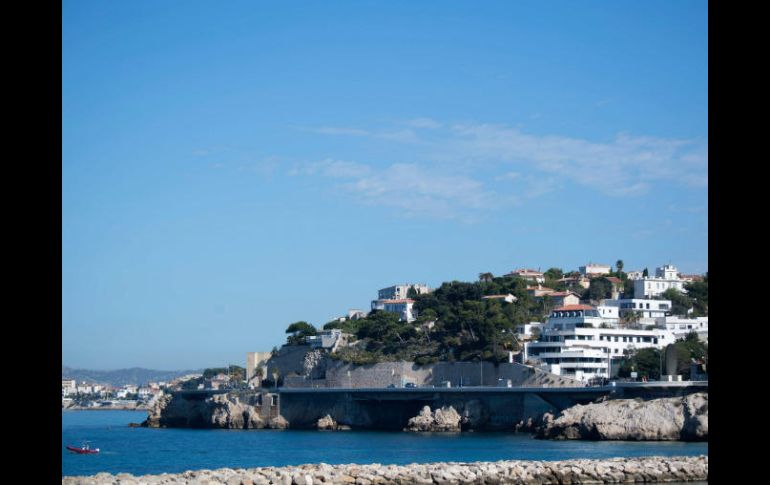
(666, 419)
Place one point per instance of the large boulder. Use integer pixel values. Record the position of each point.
(444, 419)
(326, 423)
(666, 419)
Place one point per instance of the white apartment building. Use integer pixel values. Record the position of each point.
(646, 309)
(529, 275)
(593, 269)
(665, 277)
(680, 327)
(577, 342)
(400, 292)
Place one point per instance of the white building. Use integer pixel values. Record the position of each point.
(577, 342)
(646, 309)
(680, 327)
(400, 292)
(529, 275)
(525, 332)
(665, 277)
(68, 387)
(593, 269)
(404, 307)
(325, 339)
(635, 275)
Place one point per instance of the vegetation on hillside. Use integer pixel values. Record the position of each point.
(649, 362)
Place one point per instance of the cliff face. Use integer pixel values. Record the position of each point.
(667, 419)
(218, 411)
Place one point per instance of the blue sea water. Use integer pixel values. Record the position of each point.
(141, 451)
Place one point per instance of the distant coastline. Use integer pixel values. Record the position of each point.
(105, 408)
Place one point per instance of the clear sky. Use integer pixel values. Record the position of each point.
(232, 167)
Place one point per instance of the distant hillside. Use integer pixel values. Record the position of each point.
(120, 377)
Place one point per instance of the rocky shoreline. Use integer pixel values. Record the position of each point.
(654, 469)
(665, 419)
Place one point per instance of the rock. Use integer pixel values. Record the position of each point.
(678, 418)
(326, 423)
(615, 470)
(279, 422)
(444, 419)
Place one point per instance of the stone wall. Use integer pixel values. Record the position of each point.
(339, 374)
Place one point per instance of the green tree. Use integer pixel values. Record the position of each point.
(554, 274)
(698, 292)
(619, 266)
(628, 288)
(299, 332)
(645, 362)
(645, 273)
(486, 277)
(599, 289)
(680, 303)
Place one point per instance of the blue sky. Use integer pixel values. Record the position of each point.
(229, 168)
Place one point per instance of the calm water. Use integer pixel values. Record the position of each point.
(141, 451)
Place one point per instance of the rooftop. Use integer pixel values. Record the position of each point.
(570, 308)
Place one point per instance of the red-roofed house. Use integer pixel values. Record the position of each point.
(564, 298)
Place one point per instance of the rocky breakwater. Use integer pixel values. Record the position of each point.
(614, 470)
(218, 411)
(444, 419)
(667, 419)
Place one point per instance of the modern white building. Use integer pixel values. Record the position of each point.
(680, 327)
(404, 307)
(578, 342)
(593, 269)
(646, 309)
(325, 339)
(529, 275)
(401, 292)
(665, 277)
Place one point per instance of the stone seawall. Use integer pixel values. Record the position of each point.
(615, 470)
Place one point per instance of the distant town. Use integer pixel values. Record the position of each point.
(587, 327)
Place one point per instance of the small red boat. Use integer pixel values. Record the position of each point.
(83, 450)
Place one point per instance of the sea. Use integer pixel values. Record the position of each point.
(142, 451)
